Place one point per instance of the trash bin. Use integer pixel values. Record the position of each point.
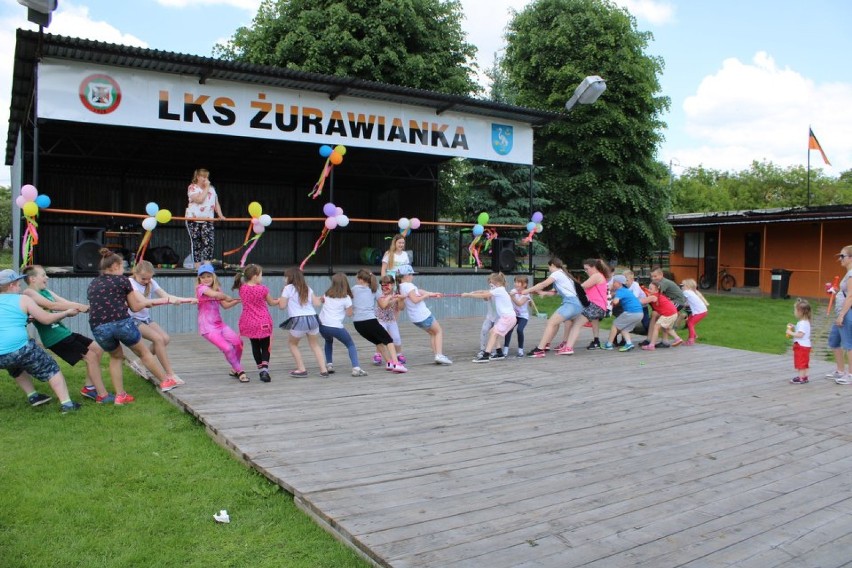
(780, 283)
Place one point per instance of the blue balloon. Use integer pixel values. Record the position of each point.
(530, 227)
(151, 209)
(478, 230)
(42, 201)
(325, 151)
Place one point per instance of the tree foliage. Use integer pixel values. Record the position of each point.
(609, 196)
(413, 43)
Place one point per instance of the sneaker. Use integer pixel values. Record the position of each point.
(401, 358)
(626, 347)
(441, 359)
(799, 380)
(565, 351)
(560, 346)
(498, 355)
(537, 353)
(399, 368)
(606, 346)
(388, 366)
(484, 358)
(377, 359)
(325, 374)
(835, 375)
(595, 344)
(166, 385)
(689, 342)
(358, 372)
(330, 368)
(844, 380)
(520, 353)
(299, 374)
(546, 347)
(89, 392)
(38, 399)
(69, 407)
(620, 342)
(264, 376)
(105, 399)
(678, 342)
(179, 381)
(644, 343)
(123, 398)
(648, 347)
(480, 353)
(662, 345)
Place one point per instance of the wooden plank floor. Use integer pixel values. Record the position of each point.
(693, 456)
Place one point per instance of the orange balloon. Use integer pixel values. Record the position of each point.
(335, 158)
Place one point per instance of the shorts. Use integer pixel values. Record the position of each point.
(840, 336)
(32, 359)
(372, 331)
(801, 357)
(626, 321)
(667, 322)
(594, 312)
(504, 325)
(110, 335)
(300, 326)
(425, 324)
(72, 348)
(570, 308)
(141, 321)
(393, 330)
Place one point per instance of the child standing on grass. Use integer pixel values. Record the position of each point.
(697, 306)
(666, 316)
(336, 305)
(299, 301)
(255, 320)
(801, 335)
(505, 314)
(388, 306)
(521, 302)
(364, 294)
(210, 324)
(419, 314)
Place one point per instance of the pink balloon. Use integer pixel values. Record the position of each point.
(415, 223)
(20, 200)
(330, 223)
(338, 211)
(29, 192)
(258, 229)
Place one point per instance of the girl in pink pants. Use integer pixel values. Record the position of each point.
(210, 324)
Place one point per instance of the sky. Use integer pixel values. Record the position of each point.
(746, 78)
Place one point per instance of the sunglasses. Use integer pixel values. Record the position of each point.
(841, 255)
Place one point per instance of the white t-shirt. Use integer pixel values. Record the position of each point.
(637, 290)
(204, 210)
(399, 258)
(696, 306)
(294, 308)
(805, 327)
(334, 310)
(502, 302)
(418, 311)
(564, 284)
(522, 311)
(842, 292)
(144, 314)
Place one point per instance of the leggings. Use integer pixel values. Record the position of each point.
(692, 321)
(340, 334)
(229, 343)
(487, 324)
(200, 240)
(260, 351)
(520, 326)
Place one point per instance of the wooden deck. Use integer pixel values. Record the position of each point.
(697, 456)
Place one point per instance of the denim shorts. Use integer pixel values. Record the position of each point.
(32, 359)
(840, 337)
(425, 324)
(108, 335)
(570, 308)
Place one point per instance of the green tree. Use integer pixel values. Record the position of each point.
(5, 212)
(610, 196)
(414, 43)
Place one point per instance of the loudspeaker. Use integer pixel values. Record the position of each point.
(503, 255)
(88, 242)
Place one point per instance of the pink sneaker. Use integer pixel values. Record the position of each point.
(565, 350)
(168, 384)
(401, 358)
(648, 348)
(377, 359)
(560, 346)
(399, 368)
(388, 366)
(690, 342)
(123, 398)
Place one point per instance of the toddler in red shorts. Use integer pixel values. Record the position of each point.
(801, 334)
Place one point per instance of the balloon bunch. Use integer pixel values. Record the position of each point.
(334, 218)
(480, 245)
(534, 226)
(30, 201)
(406, 225)
(258, 224)
(333, 157)
(155, 215)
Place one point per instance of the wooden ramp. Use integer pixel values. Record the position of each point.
(697, 456)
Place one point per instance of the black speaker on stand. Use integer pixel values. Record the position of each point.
(503, 255)
(88, 242)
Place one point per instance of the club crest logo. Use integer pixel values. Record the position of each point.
(100, 93)
(502, 136)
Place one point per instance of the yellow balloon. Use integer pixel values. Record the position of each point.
(340, 150)
(30, 209)
(163, 216)
(255, 210)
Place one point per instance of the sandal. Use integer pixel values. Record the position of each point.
(242, 377)
(297, 373)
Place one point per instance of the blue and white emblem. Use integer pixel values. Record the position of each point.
(502, 137)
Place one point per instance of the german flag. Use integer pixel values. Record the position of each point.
(813, 144)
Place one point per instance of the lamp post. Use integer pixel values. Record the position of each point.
(39, 11)
(587, 92)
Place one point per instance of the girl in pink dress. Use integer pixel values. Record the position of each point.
(210, 324)
(255, 321)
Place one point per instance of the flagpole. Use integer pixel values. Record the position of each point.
(809, 167)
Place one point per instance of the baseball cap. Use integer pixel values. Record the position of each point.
(8, 276)
(405, 270)
(620, 278)
(206, 268)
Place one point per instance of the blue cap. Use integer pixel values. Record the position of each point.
(8, 276)
(620, 278)
(206, 268)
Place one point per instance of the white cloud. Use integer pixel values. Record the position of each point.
(758, 111)
(250, 5)
(657, 13)
(74, 21)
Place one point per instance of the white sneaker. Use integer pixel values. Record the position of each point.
(835, 375)
(844, 380)
(441, 359)
(358, 372)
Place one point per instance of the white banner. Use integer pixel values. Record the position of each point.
(143, 99)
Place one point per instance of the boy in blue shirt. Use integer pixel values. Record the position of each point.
(627, 320)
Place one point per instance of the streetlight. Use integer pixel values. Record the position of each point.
(39, 11)
(587, 91)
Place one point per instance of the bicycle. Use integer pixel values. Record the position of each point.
(726, 280)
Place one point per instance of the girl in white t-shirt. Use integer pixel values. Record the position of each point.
(395, 256)
(564, 285)
(801, 335)
(299, 301)
(336, 305)
(419, 314)
(505, 313)
(697, 306)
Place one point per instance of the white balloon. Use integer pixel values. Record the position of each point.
(342, 220)
(149, 224)
(265, 220)
(404, 223)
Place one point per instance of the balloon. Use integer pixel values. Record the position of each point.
(29, 192)
(258, 229)
(482, 219)
(537, 217)
(329, 209)
(20, 200)
(254, 209)
(330, 223)
(325, 151)
(265, 220)
(30, 209)
(530, 227)
(42, 201)
(163, 216)
(340, 149)
(415, 223)
(151, 209)
(335, 158)
(149, 224)
(478, 230)
(338, 211)
(539, 228)
(342, 220)
(403, 223)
